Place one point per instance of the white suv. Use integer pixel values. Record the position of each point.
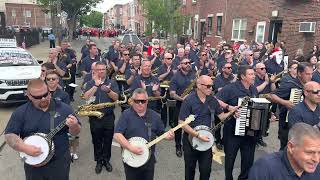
(17, 67)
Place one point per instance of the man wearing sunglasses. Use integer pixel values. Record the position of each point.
(179, 83)
(155, 57)
(52, 80)
(35, 117)
(307, 111)
(136, 122)
(205, 107)
(249, 60)
(104, 90)
(282, 96)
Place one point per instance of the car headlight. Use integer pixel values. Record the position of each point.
(2, 81)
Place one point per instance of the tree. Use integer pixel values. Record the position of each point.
(92, 20)
(74, 9)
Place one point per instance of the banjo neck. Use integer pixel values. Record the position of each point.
(158, 139)
(57, 129)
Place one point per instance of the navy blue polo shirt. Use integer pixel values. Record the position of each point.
(193, 105)
(302, 113)
(61, 95)
(102, 96)
(130, 124)
(176, 62)
(87, 77)
(220, 81)
(245, 63)
(156, 63)
(230, 95)
(193, 55)
(220, 60)
(276, 166)
(316, 76)
(180, 81)
(163, 69)
(113, 55)
(286, 77)
(258, 81)
(87, 63)
(284, 90)
(27, 120)
(233, 65)
(127, 72)
(273, 67)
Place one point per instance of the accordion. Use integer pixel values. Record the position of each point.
(295, 97)
(253, 117)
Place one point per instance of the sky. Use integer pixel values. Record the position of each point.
(106, 4)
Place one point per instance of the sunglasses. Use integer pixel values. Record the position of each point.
(262, 69)
(169, 58)
(208, 86)
(203, 54)
(139, 101)
(156, 49)
(314, 91)
(228, 52)
(185, 63)
(51, 79)
(126, 54)
(40, 97)
(228, 67)
(250, 54)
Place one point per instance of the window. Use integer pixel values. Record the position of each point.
(209, 25)
(184, 2)
(219, 25)
(261, 26)
(239, 27)
(194, 1)
(27, 13)
(13, 13)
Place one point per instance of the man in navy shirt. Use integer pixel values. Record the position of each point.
(298, 161)
(52, 80)
(227, 57)
(249, 60)
(104, 90)
(307, 111)
(155, 58)
(229, 96)
(133, 122)
(205, 107)
(179, 83)
(40, 115)
(282, 96)
(316, 73)
(88, 60)
(134, 69)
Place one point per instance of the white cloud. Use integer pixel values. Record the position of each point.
(107, 4)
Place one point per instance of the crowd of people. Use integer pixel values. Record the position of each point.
(166, 86)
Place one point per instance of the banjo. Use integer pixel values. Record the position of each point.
(45, 143)
(135, 160)
(200, 145)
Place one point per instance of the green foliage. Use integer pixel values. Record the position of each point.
(94, 19)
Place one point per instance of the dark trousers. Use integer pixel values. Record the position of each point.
(232, 144)
(164, 115)
(57, 168)
(283, 130)
(52, 44)
(177, 133)
(191, 157)
(69, 89)
(217, 133)
(145, 172)
(102, 134)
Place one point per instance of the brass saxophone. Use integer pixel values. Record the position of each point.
(120, 77)
(191, 85)
(92, 109)
(155, 71)
(279, 75)
(151, 98)
(165, 84)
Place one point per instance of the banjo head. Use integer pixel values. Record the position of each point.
(135, 160)
(38, 141)
(201, 145)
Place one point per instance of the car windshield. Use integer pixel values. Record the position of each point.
(12, 57)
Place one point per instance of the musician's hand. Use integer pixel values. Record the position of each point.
(32, 150)
(97, 79)
(136, 150)
(266, 78)
(170, 135)
(143, 85)
(155, 87)
(133, 72)
(203, 138)
(168, 69)
(174, 71)
(236, 114)
(71, 121)
(232, 108)
(106, 88)
(289, 104)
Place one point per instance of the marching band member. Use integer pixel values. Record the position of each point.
(307, 111)
(91, 58)
(179, 83)
(134, 69)
(316, 73)
(155, 57)
(35, 116)
(299, 160)
(133, 123)
(52, 80)
(104, 90)
(282, 96)
(228, 97)
(205, 107)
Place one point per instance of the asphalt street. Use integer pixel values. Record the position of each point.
(168, 166)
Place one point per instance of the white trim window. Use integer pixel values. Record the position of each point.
(239, 27)
(27, 13)
(13, 13)
(260, 31)
(209, 25)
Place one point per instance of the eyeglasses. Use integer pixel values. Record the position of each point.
(51, 79)
(185, 63)
(156, 49)
(169, 58)
(314, 91)
(262, 69)
(126, 54)
(228, 67)
(40, 97)
(139, 101)
(203, 54)
(208, 86)
(228, 52)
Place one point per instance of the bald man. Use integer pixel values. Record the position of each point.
(307, 111)
(200, 103)
(263, 83)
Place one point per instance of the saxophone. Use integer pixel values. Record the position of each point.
(165, 84)
(92, 109)
(151, 98)
(191, 85)
(120, 77)
(155, 71)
